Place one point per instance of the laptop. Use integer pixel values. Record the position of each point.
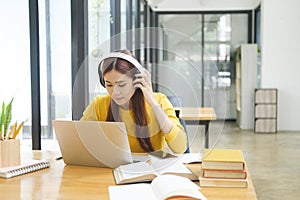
(93, 143)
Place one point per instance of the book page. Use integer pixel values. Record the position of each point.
(135, 170)
(166, 186)
(170, 166)
(133, 192)
(188, 158)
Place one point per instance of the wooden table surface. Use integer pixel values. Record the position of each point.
(198, 116)
(197, 113)
(62, 181)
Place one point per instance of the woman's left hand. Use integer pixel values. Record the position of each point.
(143, 81)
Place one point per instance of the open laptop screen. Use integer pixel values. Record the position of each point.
(93, 143)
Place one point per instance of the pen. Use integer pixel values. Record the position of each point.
(59, 158)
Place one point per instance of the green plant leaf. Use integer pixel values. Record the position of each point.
(8, 116)
(2, 121)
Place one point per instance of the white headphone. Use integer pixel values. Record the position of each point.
(117, 55)
(122, 56)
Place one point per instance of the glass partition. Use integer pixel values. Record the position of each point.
(202, 51)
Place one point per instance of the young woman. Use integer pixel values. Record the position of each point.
(149, 117)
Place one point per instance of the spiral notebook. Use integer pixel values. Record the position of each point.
(25, 167)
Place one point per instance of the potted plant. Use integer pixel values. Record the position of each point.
(9, 145)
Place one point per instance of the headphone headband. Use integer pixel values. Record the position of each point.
(122, 56)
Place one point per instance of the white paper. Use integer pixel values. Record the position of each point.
(136, 169)
(167, 185)
(187, 158)
(133, 192)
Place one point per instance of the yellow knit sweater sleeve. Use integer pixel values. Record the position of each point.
(176, 138)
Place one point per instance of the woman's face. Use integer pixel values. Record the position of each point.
(120, 87)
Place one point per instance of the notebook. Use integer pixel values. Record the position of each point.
(93, 143)
(25, 167)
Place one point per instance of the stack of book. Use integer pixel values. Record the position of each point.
(223, 168)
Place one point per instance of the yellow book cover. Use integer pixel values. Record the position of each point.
(224, 159)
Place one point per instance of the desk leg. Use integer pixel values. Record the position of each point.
(206, 127)
(206, 134)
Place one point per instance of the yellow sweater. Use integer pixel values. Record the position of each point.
(176, 138)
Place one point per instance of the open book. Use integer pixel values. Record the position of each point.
(162, 187)
(145, 172)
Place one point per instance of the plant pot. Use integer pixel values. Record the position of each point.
(9, 153)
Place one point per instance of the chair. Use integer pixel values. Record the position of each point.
(176, 102)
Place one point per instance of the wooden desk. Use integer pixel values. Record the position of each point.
(198, 116)
(61, 181)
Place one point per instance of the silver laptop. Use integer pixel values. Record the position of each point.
(93, 143)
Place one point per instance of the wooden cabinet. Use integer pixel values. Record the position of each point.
(246, 82)
(265, 110)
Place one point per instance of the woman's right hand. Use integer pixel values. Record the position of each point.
(143, 81)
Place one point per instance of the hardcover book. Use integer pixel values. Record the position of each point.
(212, 173)
(223, 159)
(220, 182)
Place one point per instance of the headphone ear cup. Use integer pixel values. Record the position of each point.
(102, 82)
(101, 79)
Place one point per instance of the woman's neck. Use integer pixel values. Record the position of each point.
(125, 106)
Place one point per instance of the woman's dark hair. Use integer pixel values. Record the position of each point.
(137, 103)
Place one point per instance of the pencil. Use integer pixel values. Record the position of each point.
(12, 131)
(18, 130)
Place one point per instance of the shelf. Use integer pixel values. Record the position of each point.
(266, 126)
(266, 96)
(246, 82)
(265, 110)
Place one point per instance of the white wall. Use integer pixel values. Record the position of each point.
(280, 40)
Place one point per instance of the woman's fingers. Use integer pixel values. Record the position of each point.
(143, 81)
(146, 75)
(140, 81)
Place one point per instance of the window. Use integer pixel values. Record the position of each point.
(55, 63)
(15, 61)
(99, 22)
